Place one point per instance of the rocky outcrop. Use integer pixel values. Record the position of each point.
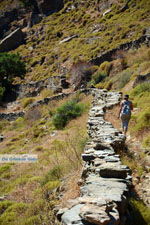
(68, 39)
(108, 56)
(5, 20)
(105, 181)
(49, 6)
(142, 79)
(27, 14)
(33, 19)
(12, 41)
(32, 89)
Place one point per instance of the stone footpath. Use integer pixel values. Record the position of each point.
(105, 181)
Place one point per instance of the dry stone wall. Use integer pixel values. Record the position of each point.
(109, 55)
(14, 115)
(105, 181)
(11, 116)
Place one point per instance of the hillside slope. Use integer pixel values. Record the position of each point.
(65, 43)
(94, 28)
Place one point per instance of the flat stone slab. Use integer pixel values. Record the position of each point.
(106, 189)
(114, 170)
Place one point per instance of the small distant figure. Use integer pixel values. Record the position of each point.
(126, 107)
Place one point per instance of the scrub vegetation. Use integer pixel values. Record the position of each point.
(29, 186)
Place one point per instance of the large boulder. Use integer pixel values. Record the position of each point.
(12, 41)
(49, 6)
(5, 20)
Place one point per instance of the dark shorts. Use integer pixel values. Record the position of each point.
(125, 120)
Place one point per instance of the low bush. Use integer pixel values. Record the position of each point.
(4, 205)
(98, 77)
(53, 175)
(143, 120)
(46, 93)
(146, 142)
(4, 169)
(26, 101)
(18, 123)
(139, 89)
(104, 85)
(124, 78)
(70, 110)
(106, 67)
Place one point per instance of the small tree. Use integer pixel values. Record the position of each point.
(11, 66)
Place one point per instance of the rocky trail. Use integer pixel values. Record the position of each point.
(105, 181)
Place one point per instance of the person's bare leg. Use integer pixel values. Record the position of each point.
(125, 131)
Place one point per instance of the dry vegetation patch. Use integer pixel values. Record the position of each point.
(29, 184)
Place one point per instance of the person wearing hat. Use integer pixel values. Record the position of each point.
(126, 107)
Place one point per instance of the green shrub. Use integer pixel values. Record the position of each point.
(12, 212)
(51, 185)
(10, 66)
(38, 131)
(4, 169)
(146, 142)
(32, 220)
(66, 112)
(145, 87)
(142, 120)
(124, 78)
(4, 205)
(106, 67)
(18, 123)
(98, 77)
(53, 175)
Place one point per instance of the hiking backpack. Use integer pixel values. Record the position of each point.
(126, 109)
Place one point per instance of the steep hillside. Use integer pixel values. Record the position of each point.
(69, 44)
(93, 28)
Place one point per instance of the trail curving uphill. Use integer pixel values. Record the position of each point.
(105, 181)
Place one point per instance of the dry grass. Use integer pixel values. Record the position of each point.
(71, 188)
(112, 116)
(70, 140)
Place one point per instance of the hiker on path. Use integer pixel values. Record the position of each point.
(126, 107)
